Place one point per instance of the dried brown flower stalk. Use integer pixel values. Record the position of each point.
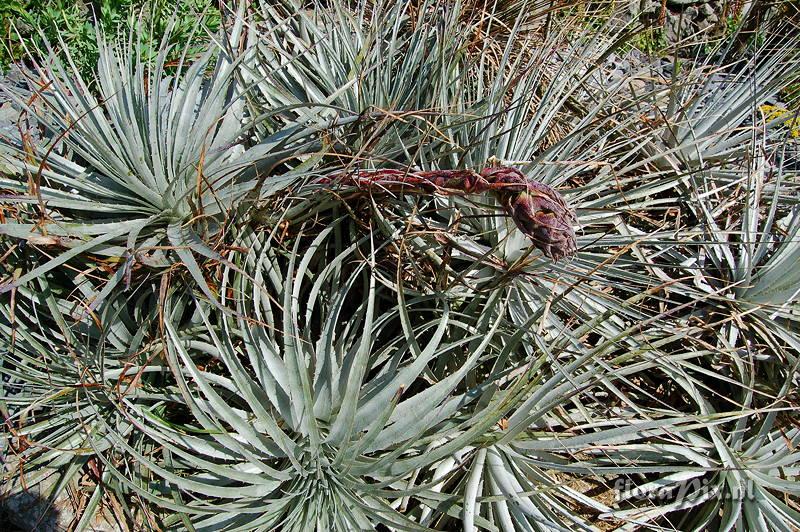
(538, 210)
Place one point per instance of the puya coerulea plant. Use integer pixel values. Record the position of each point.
(403, 266)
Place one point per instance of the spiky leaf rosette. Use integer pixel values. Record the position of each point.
(141, 164)
(316, 402)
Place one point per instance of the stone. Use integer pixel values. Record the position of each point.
(672, 29)
(707, 11)
(649, 8)
(8, 113)
(28, 510)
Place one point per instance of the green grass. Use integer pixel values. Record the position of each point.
(73, 24)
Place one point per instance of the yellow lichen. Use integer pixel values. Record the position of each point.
(775, 112)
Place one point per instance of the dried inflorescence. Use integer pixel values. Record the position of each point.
(538, 210)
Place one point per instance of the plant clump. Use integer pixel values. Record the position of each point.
(306, 273)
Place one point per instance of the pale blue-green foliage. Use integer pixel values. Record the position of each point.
(146, 160)
(234, 346)
(132, 161)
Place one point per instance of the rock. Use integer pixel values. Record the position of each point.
(705, 24)
(28, 510)
(650, 9)
(8, 113)
(672, 29)
(15, 82)
(707, 11)
(677, 19)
